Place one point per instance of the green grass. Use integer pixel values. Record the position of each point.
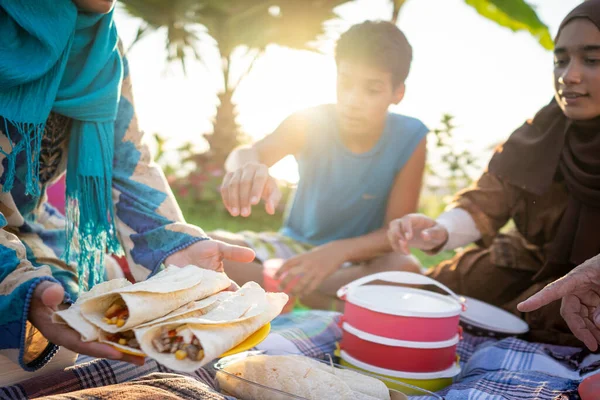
(210, 218)
(431, 261)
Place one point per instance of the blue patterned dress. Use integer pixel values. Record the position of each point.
(32, 234)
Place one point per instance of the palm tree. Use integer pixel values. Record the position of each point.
(244, 26)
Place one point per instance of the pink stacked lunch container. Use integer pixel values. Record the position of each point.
(400, 329)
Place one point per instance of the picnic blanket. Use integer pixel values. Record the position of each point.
(515, 369)
(492, 369)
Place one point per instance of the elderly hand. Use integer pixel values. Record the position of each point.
(580, 307)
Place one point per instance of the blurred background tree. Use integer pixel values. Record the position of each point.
(241, 30)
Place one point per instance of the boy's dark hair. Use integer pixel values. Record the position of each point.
(378, 43)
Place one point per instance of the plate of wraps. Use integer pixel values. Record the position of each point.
(183, 318)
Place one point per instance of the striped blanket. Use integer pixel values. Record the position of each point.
(491, 369)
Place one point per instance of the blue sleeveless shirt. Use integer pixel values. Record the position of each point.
(342, 194)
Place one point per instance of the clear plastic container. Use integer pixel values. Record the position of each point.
(274, 394)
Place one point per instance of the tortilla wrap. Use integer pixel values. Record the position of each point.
(215, 335)
(248, 301)
(194, 309)
(72, 315)
(294, 375)
(368, 386)
(156, 297)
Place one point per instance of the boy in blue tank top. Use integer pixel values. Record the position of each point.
(360, 167)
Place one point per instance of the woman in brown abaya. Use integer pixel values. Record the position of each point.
(546, 178)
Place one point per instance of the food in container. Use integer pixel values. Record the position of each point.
(401, 313)
(256, 375)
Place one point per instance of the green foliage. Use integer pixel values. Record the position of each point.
(516, 15)
(456, 167)
(429, 261)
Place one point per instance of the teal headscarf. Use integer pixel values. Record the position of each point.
(54, 58)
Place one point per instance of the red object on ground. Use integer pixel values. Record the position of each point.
(401, 327)
(270, 284)
(589, 388)
(399, 355)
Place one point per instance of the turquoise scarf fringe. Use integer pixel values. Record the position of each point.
(55, 58)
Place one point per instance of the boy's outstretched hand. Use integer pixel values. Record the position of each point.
(580, 307)
(245, 188)
(305, 272)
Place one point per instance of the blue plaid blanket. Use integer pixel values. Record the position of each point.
(491, 369)
(516, 369)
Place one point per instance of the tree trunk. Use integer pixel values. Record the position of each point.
(226, 133)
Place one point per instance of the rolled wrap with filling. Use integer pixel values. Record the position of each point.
(190, 344)
(126, 342)
(125, 308)
(223, 306)
(72, 315)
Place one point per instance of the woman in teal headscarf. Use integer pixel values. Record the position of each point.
(66, 104)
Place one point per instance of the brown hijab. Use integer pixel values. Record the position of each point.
(551, 146)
